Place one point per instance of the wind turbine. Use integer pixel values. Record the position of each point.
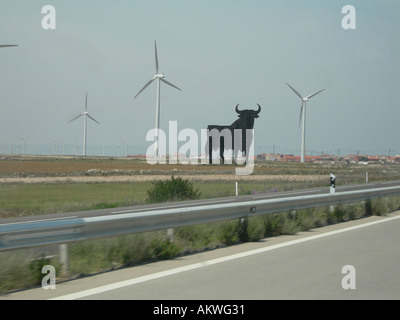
(126, 145)
(75, 147)
(159, 77)
(303, 115)
(55, 146)
(8, 45)
(86, 115)
(25, 139)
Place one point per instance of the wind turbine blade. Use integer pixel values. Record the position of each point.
(92, 118)
(80, 115)
(155, 51)
(86, 103)
(312, 95)
(294, 90)
(145, 86)
(8, 45)
(170, 84)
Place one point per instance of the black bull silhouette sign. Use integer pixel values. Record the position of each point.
(235, 137)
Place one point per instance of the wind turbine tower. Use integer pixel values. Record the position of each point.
(159, 77)
(303, 117)
(85, 114)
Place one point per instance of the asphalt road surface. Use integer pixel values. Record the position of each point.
(358, 259)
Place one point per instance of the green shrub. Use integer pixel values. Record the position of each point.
(306, 219)
(88, 257)
(172, 190)
(356, 211)
(379, 206)
(255, 228)
(229, 233)
(339, 212)
(319, 217)
(368, 207)
(36, 266)
(165, 249)
(393, 203)
(242, 230)
(121, 251)
(273, 225)
(289, 224)
(15, 272)
(331, 217)
(195, 237)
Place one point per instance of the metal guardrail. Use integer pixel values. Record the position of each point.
(64, 230)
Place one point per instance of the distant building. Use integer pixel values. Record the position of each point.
(269, 157)
(326, 158)
(291, 158)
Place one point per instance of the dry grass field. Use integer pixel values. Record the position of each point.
(47, 169)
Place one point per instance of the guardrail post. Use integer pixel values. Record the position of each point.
(170, 235)
(63, 257)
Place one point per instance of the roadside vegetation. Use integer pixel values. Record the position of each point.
(22, 268)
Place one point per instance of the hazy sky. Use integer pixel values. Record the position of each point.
(220, 53)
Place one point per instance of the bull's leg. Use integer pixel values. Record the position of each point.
(210, 150)
(222, 149)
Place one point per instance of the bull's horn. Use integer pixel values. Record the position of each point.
(237, 110)
(259, 109)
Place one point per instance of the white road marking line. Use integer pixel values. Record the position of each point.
(121, 284)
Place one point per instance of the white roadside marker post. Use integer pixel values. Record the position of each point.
(332, 186)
